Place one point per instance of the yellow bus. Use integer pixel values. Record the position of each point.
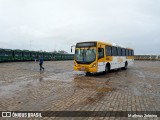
(96, 56)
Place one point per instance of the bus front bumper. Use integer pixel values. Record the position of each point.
(86, 69)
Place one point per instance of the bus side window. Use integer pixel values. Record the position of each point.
(119, 52)
(132, 52)
(114, 51)
(123, 52)
(108, 50)
(100, 53)
(126, 52)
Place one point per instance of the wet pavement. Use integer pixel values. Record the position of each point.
(24, 88)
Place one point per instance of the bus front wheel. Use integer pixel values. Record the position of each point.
(88, 73)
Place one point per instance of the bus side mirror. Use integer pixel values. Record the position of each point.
(71, 47)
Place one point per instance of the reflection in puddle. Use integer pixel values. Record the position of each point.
(94, 98)
(41, 76)
(99, 84)
(104, 89)
(10, 89)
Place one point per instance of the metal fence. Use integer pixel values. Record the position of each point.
(147, 57)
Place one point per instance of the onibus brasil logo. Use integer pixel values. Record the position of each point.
(21, 114)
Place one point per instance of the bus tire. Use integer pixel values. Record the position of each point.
(88, 73)
(125, 66)
(107, 68)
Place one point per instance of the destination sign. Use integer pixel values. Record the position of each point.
(86, 44)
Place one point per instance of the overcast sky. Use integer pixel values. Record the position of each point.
(57, 24)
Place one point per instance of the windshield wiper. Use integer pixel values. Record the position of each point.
(84, 55)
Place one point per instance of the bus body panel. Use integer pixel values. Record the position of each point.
(18, 55)
(7, 55)
(83, 67)
(26, 55)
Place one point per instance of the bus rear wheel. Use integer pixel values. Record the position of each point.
(126, 65)
(107, 68)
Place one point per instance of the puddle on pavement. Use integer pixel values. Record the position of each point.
(101, 92)
(104, 89)
(135, 91)
(95, 98)
(9, 90)
(68, 77)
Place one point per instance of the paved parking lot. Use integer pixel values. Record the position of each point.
(24, 88)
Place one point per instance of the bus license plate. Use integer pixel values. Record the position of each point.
(83, 68)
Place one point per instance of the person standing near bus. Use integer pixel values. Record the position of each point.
(41, 63)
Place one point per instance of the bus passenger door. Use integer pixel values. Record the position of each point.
(101, 58)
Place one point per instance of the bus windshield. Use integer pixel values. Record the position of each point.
(2, 53)
(8, 53)
(18, 54)
(26, 54)
(85, 55)
(33, 54)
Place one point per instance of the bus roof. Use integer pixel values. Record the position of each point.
(111, 44)
(7, 49)
(26, 51)
(129, 48)
(115, 44)
(17, 50)
(33, 51)
(106, 43)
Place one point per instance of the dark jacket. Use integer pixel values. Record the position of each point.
(41, 61)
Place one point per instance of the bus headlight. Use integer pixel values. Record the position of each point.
(94, 65)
